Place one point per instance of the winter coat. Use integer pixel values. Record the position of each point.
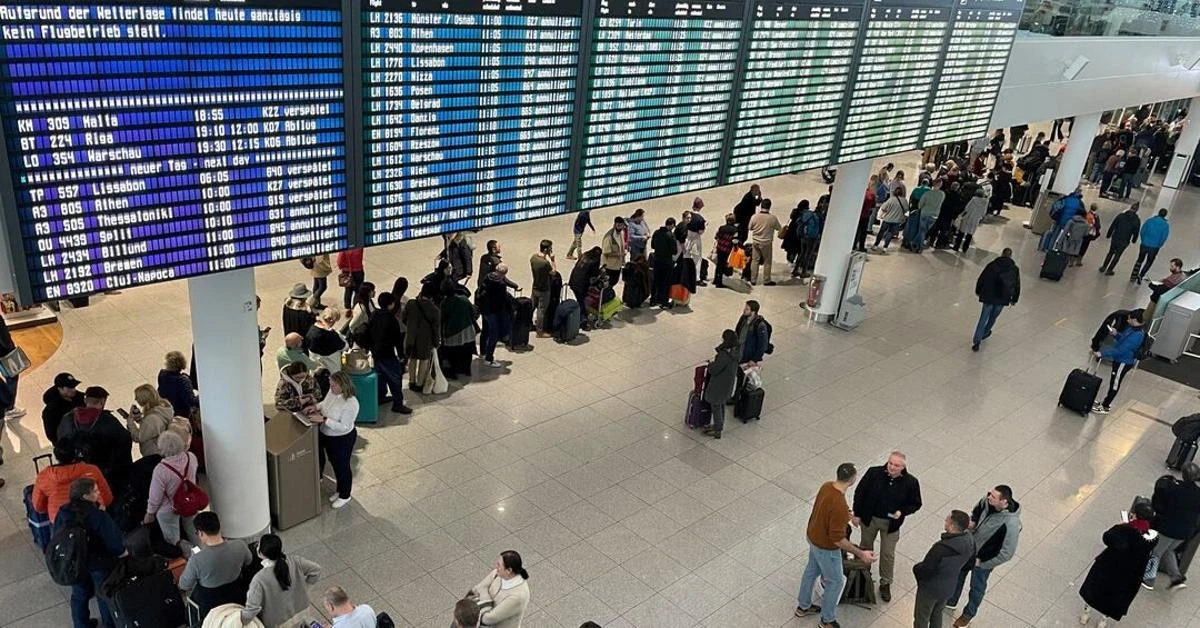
(1070, 241)
(937, 573)
(508, 606)
(664, 246)
(422, 318)
(1176, 507)
(996, 533)
(613, 246)
(458, 253)
(893, 210)
(288, 393)
(1068, 206)
(1124, 349)
(297, 318)
(385, 335)
(321, 266)
(637, 283)
(878, 492)
(152, 423)
(102, 440)
(973, 214)
(757, 338)
(639, 235)
(325, 346)
(493, 297)
(1155, 232)
(999, 283)
(176, 387)
(581, 275)
(721, 377)
(1116, 574)
(55, 409)
(1124, 228)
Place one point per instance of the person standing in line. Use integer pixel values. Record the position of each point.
(213, 575)
(497, 312)
(745, 210)
(291, 351)
(105, 546)
(423, 320)
(808, 227)
(827, 541)
(541, 265)
(149, 416)
(869, 205)
(693, 246)
(487, 262)
(583, 220)
(721, 380)
(893, 211)
(298, 317)
(100, 436)
(998, 285)
(929, 207)
(52, 487)
(177, 465)
(1123, 355)
(969, 221)
(320, 272)
(1154, 235)
(764, 227)
(336, 414)
(639, 233)
(1176, 513)
(613, 247)
(996, 529)
(351, 261)
(936, 573)
(387, 344)
(1112, 582)
(59, 399)
(886, 496)
(1121, 233)
(278, 593)
(664, 248)
(459, 254)
(723, 245)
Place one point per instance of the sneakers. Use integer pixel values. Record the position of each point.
(15, 413)
(1099, 409)
(333, 498)
(492, 364)
(1109, 273)
(341, 502)
(1149, 586)
(951, 608)
(1085, 617)
(805, 612)
(1178, 584)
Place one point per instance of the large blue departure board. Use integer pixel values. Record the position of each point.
(468, 111)
(901, 48)
(153, 140)
(966, 93)
(797, 69)
(661, 77)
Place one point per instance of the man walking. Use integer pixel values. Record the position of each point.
(542, 264)
(826, 543)
(1154, 235)
(938, 571)
(885, 496)
(1176, 510)
(763, 228)
(1121, 233)
(996, 527)
(998, 285)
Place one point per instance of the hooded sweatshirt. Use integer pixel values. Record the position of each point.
(101, 439)
(996, 533)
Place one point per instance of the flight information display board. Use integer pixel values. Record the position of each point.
(900, 51)
(797, 68)
(154, 140)
(468, 111)
(966, 93)
(661, 77)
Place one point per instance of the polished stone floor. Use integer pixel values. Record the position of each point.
(577, 456)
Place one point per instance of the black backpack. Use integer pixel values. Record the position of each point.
(383, 620)
(1143, 350)
(67, 553)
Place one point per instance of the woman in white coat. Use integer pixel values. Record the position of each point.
(504, 594)
(969, 220)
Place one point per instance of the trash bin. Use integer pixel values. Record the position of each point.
(293, 481)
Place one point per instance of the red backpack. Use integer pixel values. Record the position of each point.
(188, 499)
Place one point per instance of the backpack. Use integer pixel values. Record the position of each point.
(383, 620)
(770, 347)
(810, 225)
(1143, 350)
(67, 553)
(1057, 209)
(860, 586)
(188, 499)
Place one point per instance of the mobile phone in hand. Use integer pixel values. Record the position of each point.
(123, 412)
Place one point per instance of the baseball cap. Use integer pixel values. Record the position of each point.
(95, 392)
(65, 380)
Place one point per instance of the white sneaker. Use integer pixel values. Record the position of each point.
(339, 502)
(1084, 618)
(333, 498)
(493, 364)
(15, 413)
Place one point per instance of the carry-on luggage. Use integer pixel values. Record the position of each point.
(860, 586)
(699, 413)
(749, 405)
(1182, 452)
(1054, 265)
(366, 390)
(1080, 390)
(147, 599)
(522, 323)
(40, 526)
(912, 228)
(566, 321)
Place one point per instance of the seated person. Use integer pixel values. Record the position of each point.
(213, 575)
(52, 488)
(297, 390)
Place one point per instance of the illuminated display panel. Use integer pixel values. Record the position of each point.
(797, 68)
(660, 84)
(980, 43)
(894, 81)
(154, 140)
(468, 111)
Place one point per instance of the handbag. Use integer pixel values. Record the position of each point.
(737, 258)
(14, 363)
(344, 279)
(356, 362)
(437, 383)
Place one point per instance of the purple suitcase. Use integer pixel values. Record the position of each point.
(699, 414)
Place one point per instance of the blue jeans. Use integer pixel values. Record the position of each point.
(82, 592)
(827, 565)
(987, 318)
(887, 231)
(979, 578)
(923, 230)
(495, 327)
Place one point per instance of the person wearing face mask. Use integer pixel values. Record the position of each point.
(503, 595)
(885, 496)
(278, 593)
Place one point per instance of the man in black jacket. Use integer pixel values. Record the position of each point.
(664, 246)
(105, 546)
(937, 573)
(1176, 511)
(387, 344)
(998, 285)
(886, 494)
(99, 437)
(1122, 232)
(60, 399)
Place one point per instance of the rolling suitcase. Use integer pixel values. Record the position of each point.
(522, 323)
(366, 390)
(699, 414)
(749, 405)
(1182, 452)
(1054, 265)
(566, 321)
(148, 600)
(40, 525)
(1080, 390)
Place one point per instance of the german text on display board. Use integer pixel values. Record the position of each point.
(155, 139)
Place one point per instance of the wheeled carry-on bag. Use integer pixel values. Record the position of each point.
(1054, 265)
(522, 323)
(1080, 391)
(566, 321)
(699, 413)
(40, 525)
(1182, 452)
(148, 600)
(749, 405)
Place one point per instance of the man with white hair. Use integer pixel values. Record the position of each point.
(885, 496)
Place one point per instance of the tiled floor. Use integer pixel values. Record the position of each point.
(577, 456)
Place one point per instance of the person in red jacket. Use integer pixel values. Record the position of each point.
(350, 262)
(52, 488)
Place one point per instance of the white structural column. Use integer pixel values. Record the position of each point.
(225, 334)
(1179, 170)
(1074, 159)
(845, 205)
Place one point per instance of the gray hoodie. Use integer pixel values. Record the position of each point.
(996, 533)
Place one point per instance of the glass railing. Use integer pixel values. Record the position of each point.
(1119, 18)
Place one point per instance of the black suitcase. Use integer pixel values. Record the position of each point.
(1182, 452)
(566, 321)
(1079, 392)
(40, 526)
(522, 323)
(749, 405)
(1054, 265)
(151, 601)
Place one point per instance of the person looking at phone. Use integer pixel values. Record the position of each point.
(150, 416)
(336, 414)
(297, 389)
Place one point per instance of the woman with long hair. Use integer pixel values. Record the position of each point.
(336, 413)
(503, 595)
(278, 593)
